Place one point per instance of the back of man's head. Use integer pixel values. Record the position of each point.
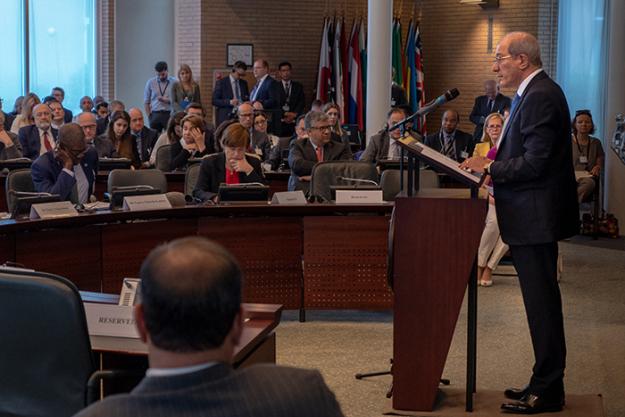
(191, 294)
(71, 134)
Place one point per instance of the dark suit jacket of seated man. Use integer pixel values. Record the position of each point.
(51, 175)
(30, 140)
(303, 152)
(461, 144)
(190, 317)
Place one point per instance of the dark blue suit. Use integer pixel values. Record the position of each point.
(268, 93)
(49, 177)
(536, 202)
(222, 94)
(30, 141)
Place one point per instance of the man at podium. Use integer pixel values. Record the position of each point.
(534, 187)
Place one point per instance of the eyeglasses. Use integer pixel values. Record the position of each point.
(322, 128)
(494, 127)
(498, 59)
(89, 127)
(246, 114)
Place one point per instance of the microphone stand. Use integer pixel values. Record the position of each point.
(413, 163)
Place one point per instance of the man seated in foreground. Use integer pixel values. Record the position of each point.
(71, 164)
(190, 317)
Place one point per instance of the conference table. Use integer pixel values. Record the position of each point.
(313, 256)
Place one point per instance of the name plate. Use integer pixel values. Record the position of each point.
(359, 197)
(52, 210)
(110, 320)
(289, 198)
(146, 202)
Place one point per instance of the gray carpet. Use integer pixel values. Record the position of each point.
(342, 343)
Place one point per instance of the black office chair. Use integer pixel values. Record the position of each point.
(45, 353)
(18, 180)
(163, 158)
(190, 178)
(325, 174)
(129, 177)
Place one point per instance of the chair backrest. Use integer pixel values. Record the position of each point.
(130, 177)
(163, 158)
(325, 174)
(389, 181)
(190, 178)
(18, 180)
(46, 355)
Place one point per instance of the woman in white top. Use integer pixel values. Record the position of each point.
(170, 136)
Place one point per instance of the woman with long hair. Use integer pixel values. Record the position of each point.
(25, 118)
(185, 90)
(333, 112)
(169, 136)
(125, 144)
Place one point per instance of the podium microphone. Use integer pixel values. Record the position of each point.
(430, 107)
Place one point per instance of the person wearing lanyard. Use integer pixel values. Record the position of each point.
(588, 155)
(449, 140)
(157, 97)
(232, 166)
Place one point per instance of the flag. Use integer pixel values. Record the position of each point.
(363, 65)
(344, 70)
(405, 56)
(420, 80)
(323, 74)
(355, 90)
(337, 68)
(411, 70)
(397, 66)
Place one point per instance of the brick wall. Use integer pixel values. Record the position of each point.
(455, 38)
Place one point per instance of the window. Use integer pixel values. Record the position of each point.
(60, 47)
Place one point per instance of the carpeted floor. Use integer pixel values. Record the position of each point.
(342, 343)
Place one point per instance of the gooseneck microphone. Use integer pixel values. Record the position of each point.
(361, 180)
(429, 107)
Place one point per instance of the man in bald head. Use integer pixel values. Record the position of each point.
(259, 142)
(144, 136)
(102, 144)
(70, 169)
(39, 138)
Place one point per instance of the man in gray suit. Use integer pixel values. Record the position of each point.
(190, 317)
(383, 145)
(102, 144)
(318, 146)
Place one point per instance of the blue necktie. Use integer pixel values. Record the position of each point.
(515, 102)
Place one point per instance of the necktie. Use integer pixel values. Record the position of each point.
(448, 149)
(237, 90)
(515, 102)
(393, 150)
(253, 94)
(46, 141)
(490, 105)
(319, 152)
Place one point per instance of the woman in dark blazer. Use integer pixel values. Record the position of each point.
(232, 166)
(191, 145)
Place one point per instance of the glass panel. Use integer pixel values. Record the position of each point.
(62, 48)
(12, 64)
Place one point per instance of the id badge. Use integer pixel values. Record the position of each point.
(285, 107)
(583, 159)
(464, 155)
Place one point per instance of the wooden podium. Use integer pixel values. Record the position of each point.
(434, 239)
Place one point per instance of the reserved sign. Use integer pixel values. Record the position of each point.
(146, 202)
(52, 210)
(110, 320)
(359, 197)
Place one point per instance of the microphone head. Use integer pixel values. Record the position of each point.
(176, 199)
(451, 94)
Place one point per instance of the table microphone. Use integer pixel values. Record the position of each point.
(358, 180)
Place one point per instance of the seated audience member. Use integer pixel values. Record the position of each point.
(259, 143)
(449, 140)
(39, 138)
(492, 248)
(170, 136)
(116, 105)
(491, 102)
(71, 164)
(145, 138)
(102, 117)
(194, 280)
(118, 132)
(232, 166)
(318, 146)
(103, 145)
(25, 118)
(185, 90)
(192, 143)
(10, 147)
(316, 105)
(229, 92)
(262, 142)
(86, 104)
(383, 145)
(209, 129)
(58, 114)
(9, 117)
(59, 94)
(338, 134)
(588, 155)
(275, 156)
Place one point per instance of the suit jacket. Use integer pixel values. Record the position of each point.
(49, 177)
(295, 100)
(12, 152)
(258, 390)
(377, 148)
(8, 121)
(213, 172)
(481, 110)
(302, 159)
(268, 93)
(222, 94)
(464, 143)
(69, 116)
(101, 125)
(30, 141)
(534, 181)
(148, 140)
